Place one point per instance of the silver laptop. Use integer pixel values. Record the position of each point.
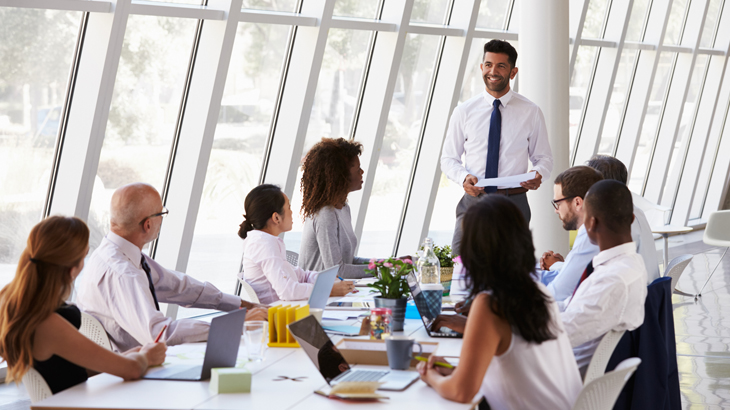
(323, 287)
(332, 365)
(224, 339)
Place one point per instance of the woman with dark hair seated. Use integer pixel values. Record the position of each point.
(516, 353)
(331, 171)
(39, 330)
(265, 268)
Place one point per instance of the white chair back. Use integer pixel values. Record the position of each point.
(292, 257)
(717, 231)
(604, 350)
(36, 386)
(92, 328)
(676, 267)
(601, 393)
(250, 294)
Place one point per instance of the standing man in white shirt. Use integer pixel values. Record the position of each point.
(496, 132)
(122, 287)
(612, 289)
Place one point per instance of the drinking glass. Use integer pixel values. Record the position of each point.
(255, 337)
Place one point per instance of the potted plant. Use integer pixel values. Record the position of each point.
(392, 285)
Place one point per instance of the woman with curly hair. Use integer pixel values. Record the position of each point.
(39, 330)
(331, 171)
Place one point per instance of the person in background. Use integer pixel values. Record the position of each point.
(122, 287)
(39, 330)
(495, 133)
(612, 289)
(331, 171)
(612, 168)
(561, 276)
(265, 268)
(516, 353)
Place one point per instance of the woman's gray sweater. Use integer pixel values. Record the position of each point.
(328, 240)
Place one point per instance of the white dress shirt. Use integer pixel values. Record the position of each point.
(524, 135)
(266, 269)
(611, 298)
(115, 290)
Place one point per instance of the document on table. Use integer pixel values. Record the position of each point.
(508, 182)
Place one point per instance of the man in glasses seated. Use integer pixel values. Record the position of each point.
(122, 287)
(561, 275)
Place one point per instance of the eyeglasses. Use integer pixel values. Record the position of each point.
(556, 203)
(162, 214)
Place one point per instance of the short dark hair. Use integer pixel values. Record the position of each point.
(259, 205)
(499, 257)
(501, 47)
(577, 181)
(609, 167)
(610, 201)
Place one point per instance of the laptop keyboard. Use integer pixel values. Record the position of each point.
(363, 376)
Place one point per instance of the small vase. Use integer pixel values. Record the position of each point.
(398, 307)
(446, 276)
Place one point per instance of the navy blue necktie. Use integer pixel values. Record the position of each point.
(495, 131)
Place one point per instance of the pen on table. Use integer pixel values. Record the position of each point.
(439, 364)
(157, 339)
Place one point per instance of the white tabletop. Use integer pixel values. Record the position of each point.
(110, 392)
(670, 229)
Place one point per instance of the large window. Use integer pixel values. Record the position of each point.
(144, 111)
(402, 132)
(244, 123)
(36, 54)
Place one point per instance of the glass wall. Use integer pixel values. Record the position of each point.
(144, 101)
(36, 55)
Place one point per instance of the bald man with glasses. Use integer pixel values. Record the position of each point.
(122, 287)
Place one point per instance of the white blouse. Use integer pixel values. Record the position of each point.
(266, 269)
(534, 376)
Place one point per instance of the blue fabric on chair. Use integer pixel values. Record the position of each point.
(655, 385)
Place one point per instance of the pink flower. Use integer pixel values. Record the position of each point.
(457, 259)
(388, 265)
(371, 265)
(380, 261)
(408, 261)
(372, 260)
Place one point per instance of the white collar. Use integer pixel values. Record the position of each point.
(623, 249)
(129, 249)
(504, 100)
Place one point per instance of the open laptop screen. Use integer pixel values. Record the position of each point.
(319, 347)
(427, 309)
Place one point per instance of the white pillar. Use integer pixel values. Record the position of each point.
(543, 65)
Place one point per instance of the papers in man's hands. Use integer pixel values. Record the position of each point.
(507, 182)
(353, 391)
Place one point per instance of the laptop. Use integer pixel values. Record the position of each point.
(334, 368)
(323, 287)
(428, 310)
(224, 339)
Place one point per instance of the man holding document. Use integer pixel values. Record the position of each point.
(496, 132)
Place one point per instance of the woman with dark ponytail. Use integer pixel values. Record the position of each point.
(265, 268)
(516, 353)
(39, 330)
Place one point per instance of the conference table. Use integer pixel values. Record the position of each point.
(285, 379)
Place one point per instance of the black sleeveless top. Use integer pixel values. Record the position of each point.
(59, 373)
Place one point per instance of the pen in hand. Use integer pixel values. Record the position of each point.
(157, 339)
(439, 364)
